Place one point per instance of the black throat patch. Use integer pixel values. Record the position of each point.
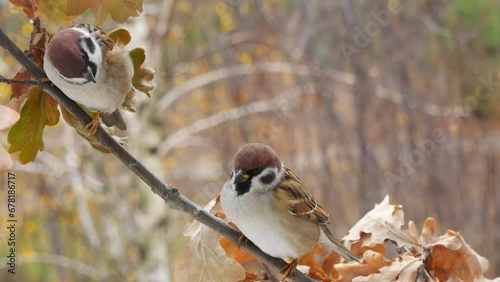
(243, 187)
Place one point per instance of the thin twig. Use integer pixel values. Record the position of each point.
(36, 30)
(18, 81)
(271, 105)
(168, 193)
(240, 70)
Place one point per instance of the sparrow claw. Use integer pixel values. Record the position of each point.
(289, 269)
(91, 128)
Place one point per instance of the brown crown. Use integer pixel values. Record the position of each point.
(254, 155)
(64, 53)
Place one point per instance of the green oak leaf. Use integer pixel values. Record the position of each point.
(26, 134)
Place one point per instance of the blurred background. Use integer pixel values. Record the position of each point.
(361, 99)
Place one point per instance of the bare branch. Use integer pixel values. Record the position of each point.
(426, 108)
(184, 133)
(298, 69)
(223, 73)
(168, 193)
(18, 81)
(230, 40)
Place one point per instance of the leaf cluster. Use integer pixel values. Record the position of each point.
(390, 252)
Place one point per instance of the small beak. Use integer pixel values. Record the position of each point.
(87, 73)
(240, 177)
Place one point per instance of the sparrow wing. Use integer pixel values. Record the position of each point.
(300, 202)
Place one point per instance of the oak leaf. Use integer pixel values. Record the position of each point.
(318, 274)
(452, 258)
(119, 10)
(120, 36)
(28, 6)
(384, 222)
(143, 77)
(205, 260)
(372, 262)
(406, 268)
(19, 89)
(26, 134)
(57, 13)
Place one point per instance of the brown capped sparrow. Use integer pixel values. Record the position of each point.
(86, 65)
(273, 209)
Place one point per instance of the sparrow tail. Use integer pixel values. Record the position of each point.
(338, 247)
(114, 119)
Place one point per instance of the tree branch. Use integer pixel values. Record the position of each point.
(18, 81)
(168, 193)
(181, 135)
(240, 70)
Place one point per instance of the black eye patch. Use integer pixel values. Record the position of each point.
(92, 65)
(268, 178)
(88, 42)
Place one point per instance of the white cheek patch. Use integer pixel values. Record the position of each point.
(267, 180)
(93, 52)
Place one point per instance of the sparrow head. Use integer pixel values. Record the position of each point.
(76, 54)
(257, 167)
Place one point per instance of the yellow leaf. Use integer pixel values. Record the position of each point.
(120, 36)
(57, 13)
(119, 10)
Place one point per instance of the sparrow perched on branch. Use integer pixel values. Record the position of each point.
(273, 209)
(86, 65)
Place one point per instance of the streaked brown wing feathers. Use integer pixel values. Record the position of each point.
(301, 202)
